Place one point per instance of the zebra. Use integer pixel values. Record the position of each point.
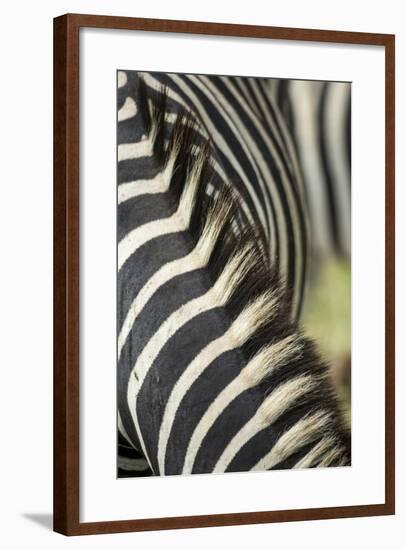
(318, 115)
(214, 371)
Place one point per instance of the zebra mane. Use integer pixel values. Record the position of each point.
(278, 360)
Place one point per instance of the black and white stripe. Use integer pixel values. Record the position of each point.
(213, 372)
(318, 115)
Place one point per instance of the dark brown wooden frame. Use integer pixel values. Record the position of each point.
(66, 273)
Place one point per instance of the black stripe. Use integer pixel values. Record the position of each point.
(326, 169)
(165, 301)
(171, 362)
(231, 140)
(140, 267)
(196, 401)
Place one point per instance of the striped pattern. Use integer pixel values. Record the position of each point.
(213, 372)
(318, 114)
(131, 463)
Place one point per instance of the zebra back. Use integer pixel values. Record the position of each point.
(318, 115)
(213, 371)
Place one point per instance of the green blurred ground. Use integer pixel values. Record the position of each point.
(327, 319)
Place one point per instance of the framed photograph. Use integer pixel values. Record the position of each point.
(223, 274)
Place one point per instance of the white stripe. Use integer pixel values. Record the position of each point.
(196, 259)
(287, 185)
(301, 434)
(254, 86)
(216, 296)
(258, 368)
(139, 149)
(128, 110)
(268, 84)
(167, 272)
(216, 218)
(150, 352)
(146, 232)
(337, 98)
(271, 409)
(273, 85)
(275, 193)
(144, 148)
(121, 79)
(332, 455)
(155, 85)
(305, 98)
(123, 430)
(241, 329)
(217, 138)
(136, 464)
(250, 149)
(183, 384)
(242, 81)
(159, 184)
(315, 453)
(280, 130)
(231, 392)
(177, 222)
